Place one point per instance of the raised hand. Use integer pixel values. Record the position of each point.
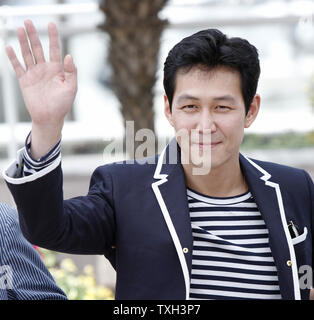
(48, 87)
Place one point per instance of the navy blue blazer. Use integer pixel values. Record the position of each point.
(137, 216)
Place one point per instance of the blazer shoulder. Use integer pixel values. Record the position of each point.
(274, 166)
(283, 172)
(127, 169)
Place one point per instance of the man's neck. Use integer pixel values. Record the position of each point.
(224, 181)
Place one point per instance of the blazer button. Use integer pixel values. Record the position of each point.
(289, 263)
(185, 250)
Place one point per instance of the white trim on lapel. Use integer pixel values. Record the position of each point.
(155, 185)
(276, 186)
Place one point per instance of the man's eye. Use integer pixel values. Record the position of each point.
(190, 107)
(223, 108)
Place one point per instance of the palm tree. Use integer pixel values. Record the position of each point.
(134, 29)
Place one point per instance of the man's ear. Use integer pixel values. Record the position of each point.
(253, 111)
(167, 110)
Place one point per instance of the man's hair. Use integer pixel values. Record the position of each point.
(211, 48)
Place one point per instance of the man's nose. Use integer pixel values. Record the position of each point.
(206, 123)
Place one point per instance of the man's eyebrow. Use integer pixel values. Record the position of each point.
(226, 97)
(186, 96)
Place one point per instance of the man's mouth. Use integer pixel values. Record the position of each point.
(212, 144)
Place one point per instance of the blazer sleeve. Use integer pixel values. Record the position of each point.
(81, 225)
(27, 277)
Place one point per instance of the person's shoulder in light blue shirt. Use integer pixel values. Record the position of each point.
(23, 275)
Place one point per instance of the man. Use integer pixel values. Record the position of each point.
(239, 229)
(23, 275)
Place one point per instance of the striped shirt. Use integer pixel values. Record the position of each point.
(30, 165)
(231, 254)
(23, 275)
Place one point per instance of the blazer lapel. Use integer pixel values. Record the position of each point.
(170, 192)
(267, 195)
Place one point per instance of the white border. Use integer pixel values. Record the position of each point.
(276, 186)
(155, 185)
(300, 238)
(31, 177)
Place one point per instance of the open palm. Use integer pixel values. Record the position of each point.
(48, 87)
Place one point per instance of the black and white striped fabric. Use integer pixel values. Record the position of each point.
(23, 275)
(31, 165)
(231, 254)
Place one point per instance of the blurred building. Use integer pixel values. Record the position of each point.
(283, 32)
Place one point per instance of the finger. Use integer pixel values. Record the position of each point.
(19, 70)
(54, 46)
(69, 66)
(70, 70)
(35, 43)
(26, 52)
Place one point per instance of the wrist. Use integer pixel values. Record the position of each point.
(43, 139)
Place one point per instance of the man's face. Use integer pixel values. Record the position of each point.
(211, 103)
